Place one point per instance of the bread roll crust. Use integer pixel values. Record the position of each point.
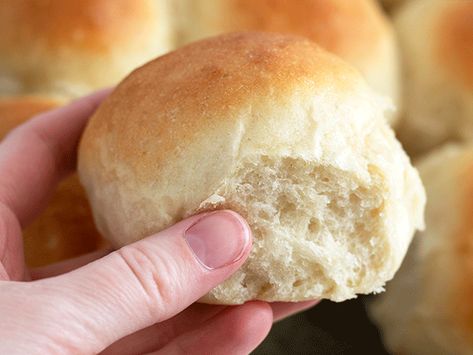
(462, 305)
(455, 40)
(427, 308)
(276, 129)
(355, 30)
(69, 48)
(435, 37)
(207, 91)
(346, 28)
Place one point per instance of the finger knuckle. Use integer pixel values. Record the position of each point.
(152, 275)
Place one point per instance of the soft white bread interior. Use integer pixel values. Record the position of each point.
(69, 48)
(355, 30)
(276, 129)
(436, 38)
(428, 307)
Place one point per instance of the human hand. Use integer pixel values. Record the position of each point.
(135, 300)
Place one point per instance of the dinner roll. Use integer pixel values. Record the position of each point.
(355, 30)
(280, 131)
(437, 40)
(428, 307)
(65, 228)
(69, 48)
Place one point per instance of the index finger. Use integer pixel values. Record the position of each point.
(35, 155)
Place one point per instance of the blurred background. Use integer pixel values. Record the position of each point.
(418, 54)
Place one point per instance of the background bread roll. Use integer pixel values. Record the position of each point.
(436, 38)
(428, 307)
(65, 228)
(69, 48)
(355, 30)
(276, 129)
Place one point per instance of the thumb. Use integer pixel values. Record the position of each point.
(151, 280)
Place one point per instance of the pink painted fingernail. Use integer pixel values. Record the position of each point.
(218, 239)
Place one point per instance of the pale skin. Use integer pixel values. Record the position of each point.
(135, 300)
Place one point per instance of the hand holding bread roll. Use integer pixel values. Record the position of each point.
(276, 129)
(109, 303)
(70, 48)
(355, 30)
(65, 228)
(428, 307)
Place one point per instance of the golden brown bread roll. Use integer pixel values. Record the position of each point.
(436, 38)
(275, 128)
(69, 48)
(428, 307)
(65, 228)
(355, 30)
